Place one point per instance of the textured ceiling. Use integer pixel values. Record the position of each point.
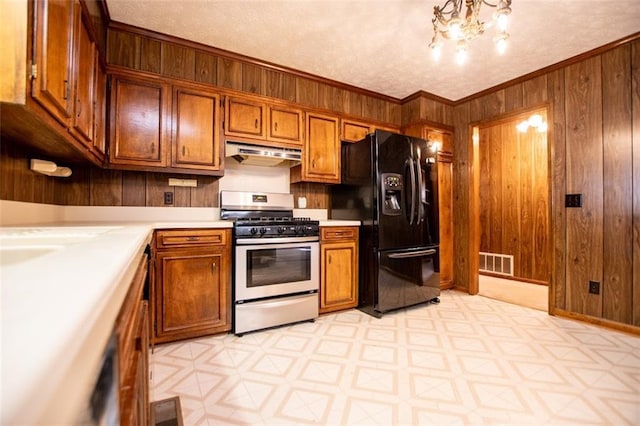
(382, 45)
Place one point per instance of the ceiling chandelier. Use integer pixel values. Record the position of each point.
(450, 24)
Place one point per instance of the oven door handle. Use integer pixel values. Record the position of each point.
(261, 241)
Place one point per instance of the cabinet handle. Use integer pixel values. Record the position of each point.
(329, 259)
(153, 148)
(79, 107)
(66, 90)
(193, 239)
(213, 267)
(276, 126)
(184, 152)
(256, 123)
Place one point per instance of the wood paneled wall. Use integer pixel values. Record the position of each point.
(514, 196)
(594, 143)
(170, 57)
(91, 186)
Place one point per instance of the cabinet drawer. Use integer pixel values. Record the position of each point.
(191, 238)
(333, 233)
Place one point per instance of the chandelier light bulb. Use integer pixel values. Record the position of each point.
(502, 21)
(455, 29)
(461, 52)
(501, 42)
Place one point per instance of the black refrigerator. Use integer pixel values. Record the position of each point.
(389, 182)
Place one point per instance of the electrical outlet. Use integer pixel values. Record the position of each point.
(168, 197)
(594, 287)
(573, 200)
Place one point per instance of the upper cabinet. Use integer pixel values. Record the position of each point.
(264, 122)
(156, 126)
(138, 128)
(286, 124)
(245, 118)
(321, 151)
(195, 136)
(51, 86)
(49, 100)
(84, 81)
(353, 131)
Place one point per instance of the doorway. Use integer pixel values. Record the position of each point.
(513, 208)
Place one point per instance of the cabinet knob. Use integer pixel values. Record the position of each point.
(256, 123)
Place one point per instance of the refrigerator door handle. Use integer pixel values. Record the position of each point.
(412, 178)
(417, 253)
(420, 185)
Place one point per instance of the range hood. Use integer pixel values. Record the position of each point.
(260, 155)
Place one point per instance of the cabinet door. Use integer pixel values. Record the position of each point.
(245, 118)
(285, 125)
(321, 156)
(85, 55)
(445, 208)
(339, 275)
(196, 126)
(100, 110)
(192, 293)
(139, 109)
(444, 139)
(353, 131)
(54, 58)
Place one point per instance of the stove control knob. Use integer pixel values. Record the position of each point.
(254, 231)
(263, 231)
(299, 230)
(281, 229)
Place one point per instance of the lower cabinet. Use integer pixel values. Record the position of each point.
(191, 294)
(338, 268)
(132, 334)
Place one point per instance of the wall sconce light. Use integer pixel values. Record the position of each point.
(536, 121)
(49, 168)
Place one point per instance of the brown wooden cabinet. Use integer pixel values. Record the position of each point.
(191, 294)
(85, 53)
(353, 131)
(48, 99)
(195, 136)
(156, 126)
(338, 268)
(54, 57)
(138, 128)
(100, 111)
(321, 151)
(266, 123)
(285, 124)
(132, 336)
(245, 117)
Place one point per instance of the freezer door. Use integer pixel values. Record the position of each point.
(407, 277)
(405, 192)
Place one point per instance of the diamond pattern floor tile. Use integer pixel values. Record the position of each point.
(469, 360)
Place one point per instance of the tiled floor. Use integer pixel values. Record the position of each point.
(469, 360)
(517, 292)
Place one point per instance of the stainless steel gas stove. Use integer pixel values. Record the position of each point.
(276, 262)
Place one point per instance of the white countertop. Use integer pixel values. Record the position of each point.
(58, 310)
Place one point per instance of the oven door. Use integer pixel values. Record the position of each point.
(275, 269)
